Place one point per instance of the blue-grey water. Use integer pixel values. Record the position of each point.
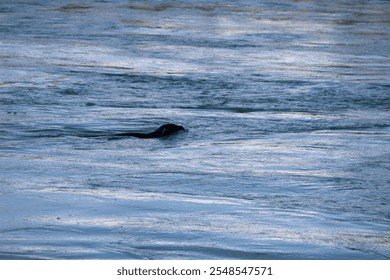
(287, 110)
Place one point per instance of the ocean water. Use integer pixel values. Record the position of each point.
(286, 153)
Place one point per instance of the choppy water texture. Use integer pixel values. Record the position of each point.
(286, 153)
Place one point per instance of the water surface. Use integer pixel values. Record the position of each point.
(286, 153)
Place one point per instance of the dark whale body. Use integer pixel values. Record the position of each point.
(162, 131)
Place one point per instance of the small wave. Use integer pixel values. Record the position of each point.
(220, 253)
(46, 133)
(69, 92)
(64, 132)
(20, 256)
(168, 6)
(74, 8)
(154, 8)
